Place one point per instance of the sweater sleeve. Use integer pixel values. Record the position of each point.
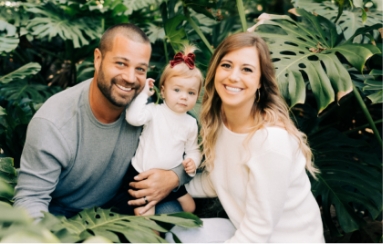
(201, 186)
(45, 153)
(139, 112)
(266, 193)
(191, 147)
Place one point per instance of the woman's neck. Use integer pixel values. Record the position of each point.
(237, 120)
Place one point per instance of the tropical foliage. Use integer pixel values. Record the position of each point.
(328, 62)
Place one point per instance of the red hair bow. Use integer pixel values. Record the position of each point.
(187, 59)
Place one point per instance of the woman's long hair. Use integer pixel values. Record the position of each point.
(271, 109)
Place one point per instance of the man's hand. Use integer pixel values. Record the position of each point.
(189, 166)
(152, 186)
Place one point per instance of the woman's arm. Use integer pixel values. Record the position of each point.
(201, 186)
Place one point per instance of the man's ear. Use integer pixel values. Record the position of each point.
(97, 59)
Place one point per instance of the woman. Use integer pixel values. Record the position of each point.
(255, 156)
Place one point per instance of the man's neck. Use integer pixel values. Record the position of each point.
(102, 109)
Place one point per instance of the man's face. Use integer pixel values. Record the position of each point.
(121, 71)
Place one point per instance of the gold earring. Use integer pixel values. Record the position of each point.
(258, 95)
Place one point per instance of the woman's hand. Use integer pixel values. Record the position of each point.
(151, 187)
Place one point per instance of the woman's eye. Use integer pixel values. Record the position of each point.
(248, 70)
(225, 65)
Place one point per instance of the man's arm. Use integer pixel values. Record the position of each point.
(40, 168)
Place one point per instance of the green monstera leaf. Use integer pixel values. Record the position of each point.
(9, 41)
(175, 32)
(21, 73)
(51, 21)
(133, 5)
(307, 51)
(350, 180)
(105, 223)
(155, 33)
(350, 19)
(374, 86)
(8, 179)
(18, 90)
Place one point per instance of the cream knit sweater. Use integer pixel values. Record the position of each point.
(263, 187)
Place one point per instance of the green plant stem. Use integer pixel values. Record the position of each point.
(199, 32)
(363, 126)
(166, 51)
(242, 16)
(367, 114)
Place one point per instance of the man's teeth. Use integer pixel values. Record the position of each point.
(233, 89)
(124, 88)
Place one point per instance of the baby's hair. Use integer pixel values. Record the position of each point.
(182, 70)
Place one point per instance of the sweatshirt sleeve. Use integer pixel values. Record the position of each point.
(45, 153)
(201, 186)
(139, 112)
(191, 146)
(266, 193)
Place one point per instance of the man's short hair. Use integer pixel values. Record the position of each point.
(128, 30)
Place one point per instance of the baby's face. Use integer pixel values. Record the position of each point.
(180, 93)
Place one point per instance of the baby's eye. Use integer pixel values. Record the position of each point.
(192, 93)
(176, 90)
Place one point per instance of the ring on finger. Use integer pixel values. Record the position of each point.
(146, 200)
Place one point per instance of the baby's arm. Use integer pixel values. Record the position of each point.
(139, 111)
(190, 166)
(192, 151)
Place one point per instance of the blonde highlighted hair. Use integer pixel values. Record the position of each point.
(182, 70)
(271, 109)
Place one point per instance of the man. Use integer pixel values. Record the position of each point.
(78, 144)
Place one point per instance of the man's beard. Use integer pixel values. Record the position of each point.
(106, 89)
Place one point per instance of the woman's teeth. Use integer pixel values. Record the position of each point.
(233, 89)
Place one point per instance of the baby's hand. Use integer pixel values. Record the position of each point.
(149, 86)
(189, 166)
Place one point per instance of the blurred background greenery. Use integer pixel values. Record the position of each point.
(328, 61)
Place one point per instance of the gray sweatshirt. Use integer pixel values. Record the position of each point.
(71, 158)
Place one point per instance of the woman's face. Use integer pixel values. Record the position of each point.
(237, 78)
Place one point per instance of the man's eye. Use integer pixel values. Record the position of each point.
(120, 64)
(141, 69)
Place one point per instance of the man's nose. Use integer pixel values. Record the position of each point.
(129, 76)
